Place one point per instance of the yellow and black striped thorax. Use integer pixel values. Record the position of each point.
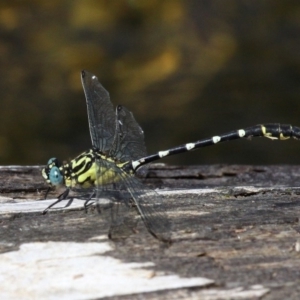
(88, 169)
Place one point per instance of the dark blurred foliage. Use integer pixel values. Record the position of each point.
(186, 69)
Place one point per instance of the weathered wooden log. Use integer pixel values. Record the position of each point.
(235, 234)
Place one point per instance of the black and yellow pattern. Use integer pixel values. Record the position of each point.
(118, 150)
(105, 171)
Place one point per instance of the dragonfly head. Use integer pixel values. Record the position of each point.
(53, 172)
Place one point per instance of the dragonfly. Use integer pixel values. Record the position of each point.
(108, 170)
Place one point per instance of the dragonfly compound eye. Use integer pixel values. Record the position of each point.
(55, 176)
(51, 161)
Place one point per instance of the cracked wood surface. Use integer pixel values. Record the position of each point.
(237, 226)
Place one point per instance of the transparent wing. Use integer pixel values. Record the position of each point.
(151, 208)
(123, 191)
(129, 141)
(114, 201)
(102, 118)
(123, 221)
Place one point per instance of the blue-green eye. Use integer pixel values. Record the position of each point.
(55, 176)
(51, 160)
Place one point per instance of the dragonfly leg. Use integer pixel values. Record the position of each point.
(61, 197)
(47, 192)
(86, 203)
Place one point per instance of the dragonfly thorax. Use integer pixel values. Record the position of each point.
(88, 169)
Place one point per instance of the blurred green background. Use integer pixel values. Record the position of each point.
(186, 69)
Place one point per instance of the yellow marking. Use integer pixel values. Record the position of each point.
(263, 130)
(88, 173)
(70, 182)
(107, 158)
(44, 174)
(89, 177)
(267, 134)
(282, 137)
(83, 160)
(121, 165)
